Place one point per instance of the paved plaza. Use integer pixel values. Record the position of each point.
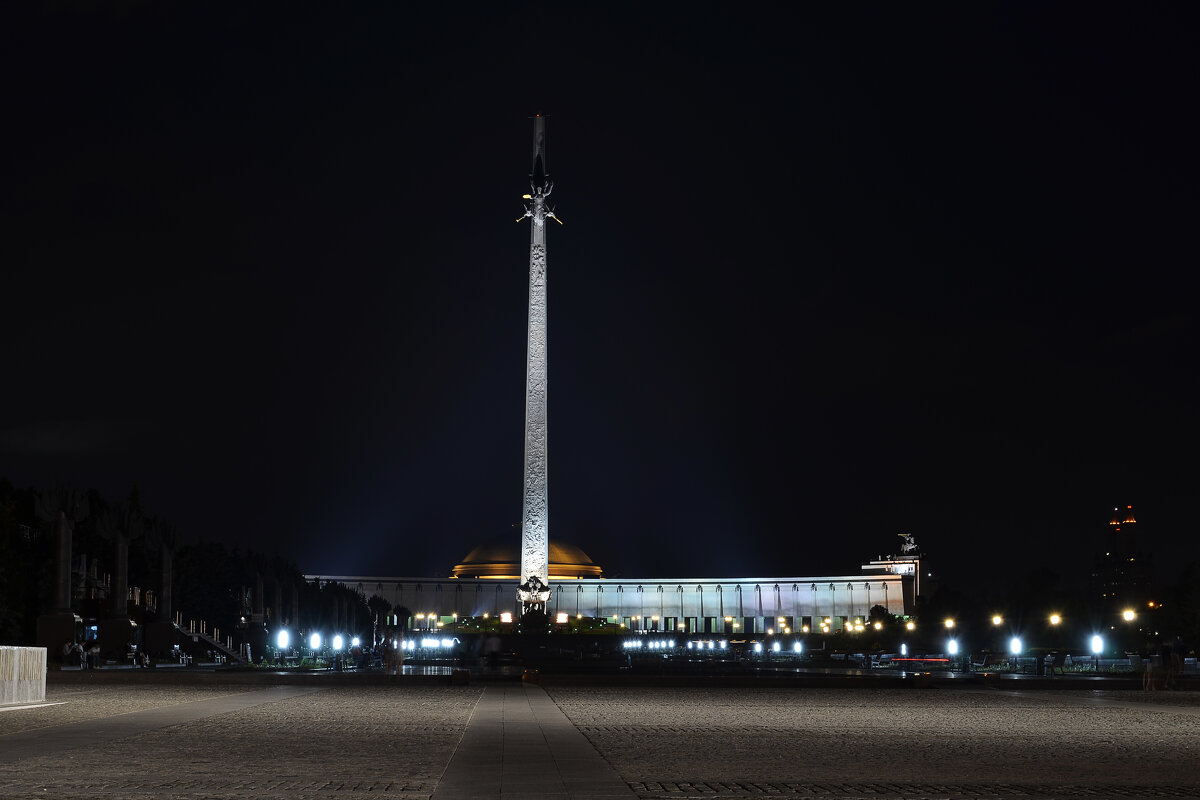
(502, 739)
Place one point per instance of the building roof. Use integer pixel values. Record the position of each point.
(501, 559)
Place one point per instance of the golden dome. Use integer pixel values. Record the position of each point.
(501, 559)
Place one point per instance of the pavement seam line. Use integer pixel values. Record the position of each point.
(458, 744)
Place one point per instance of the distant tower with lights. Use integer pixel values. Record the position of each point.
(1123, 574)
(534, 590)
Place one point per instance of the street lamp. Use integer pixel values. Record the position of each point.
(1055, 619)
(1129, 615)
(997, 619)
(949, 623)
(910, 625)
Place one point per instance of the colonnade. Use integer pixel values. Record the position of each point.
(747, 605)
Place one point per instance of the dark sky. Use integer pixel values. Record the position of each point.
(826, 276)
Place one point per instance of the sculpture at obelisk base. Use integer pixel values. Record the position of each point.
(534, 590)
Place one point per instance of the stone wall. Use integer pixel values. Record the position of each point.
(22, 675)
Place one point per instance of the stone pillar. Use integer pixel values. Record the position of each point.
(119, 602)
(60, 508)
(165, 606)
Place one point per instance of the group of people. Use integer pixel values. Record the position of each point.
(1168, 662)
(392, 650)
(84, 655)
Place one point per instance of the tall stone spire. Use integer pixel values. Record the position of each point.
(534, 590)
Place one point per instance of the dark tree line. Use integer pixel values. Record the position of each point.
(204, 580)
(26, 565)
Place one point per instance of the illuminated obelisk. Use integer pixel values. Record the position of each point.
(534, 590)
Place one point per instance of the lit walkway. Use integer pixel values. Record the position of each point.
(519, 743)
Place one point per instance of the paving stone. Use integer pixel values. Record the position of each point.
(341, 742)
(363, 742)
(775, 738)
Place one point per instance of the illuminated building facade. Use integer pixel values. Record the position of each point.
(486, 582)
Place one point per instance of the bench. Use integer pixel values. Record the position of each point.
(988, 660)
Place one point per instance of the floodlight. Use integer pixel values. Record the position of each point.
(314, 641)
(282, 639)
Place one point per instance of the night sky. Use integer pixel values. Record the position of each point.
(826, 276)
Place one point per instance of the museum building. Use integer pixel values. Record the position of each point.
(485, 583)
